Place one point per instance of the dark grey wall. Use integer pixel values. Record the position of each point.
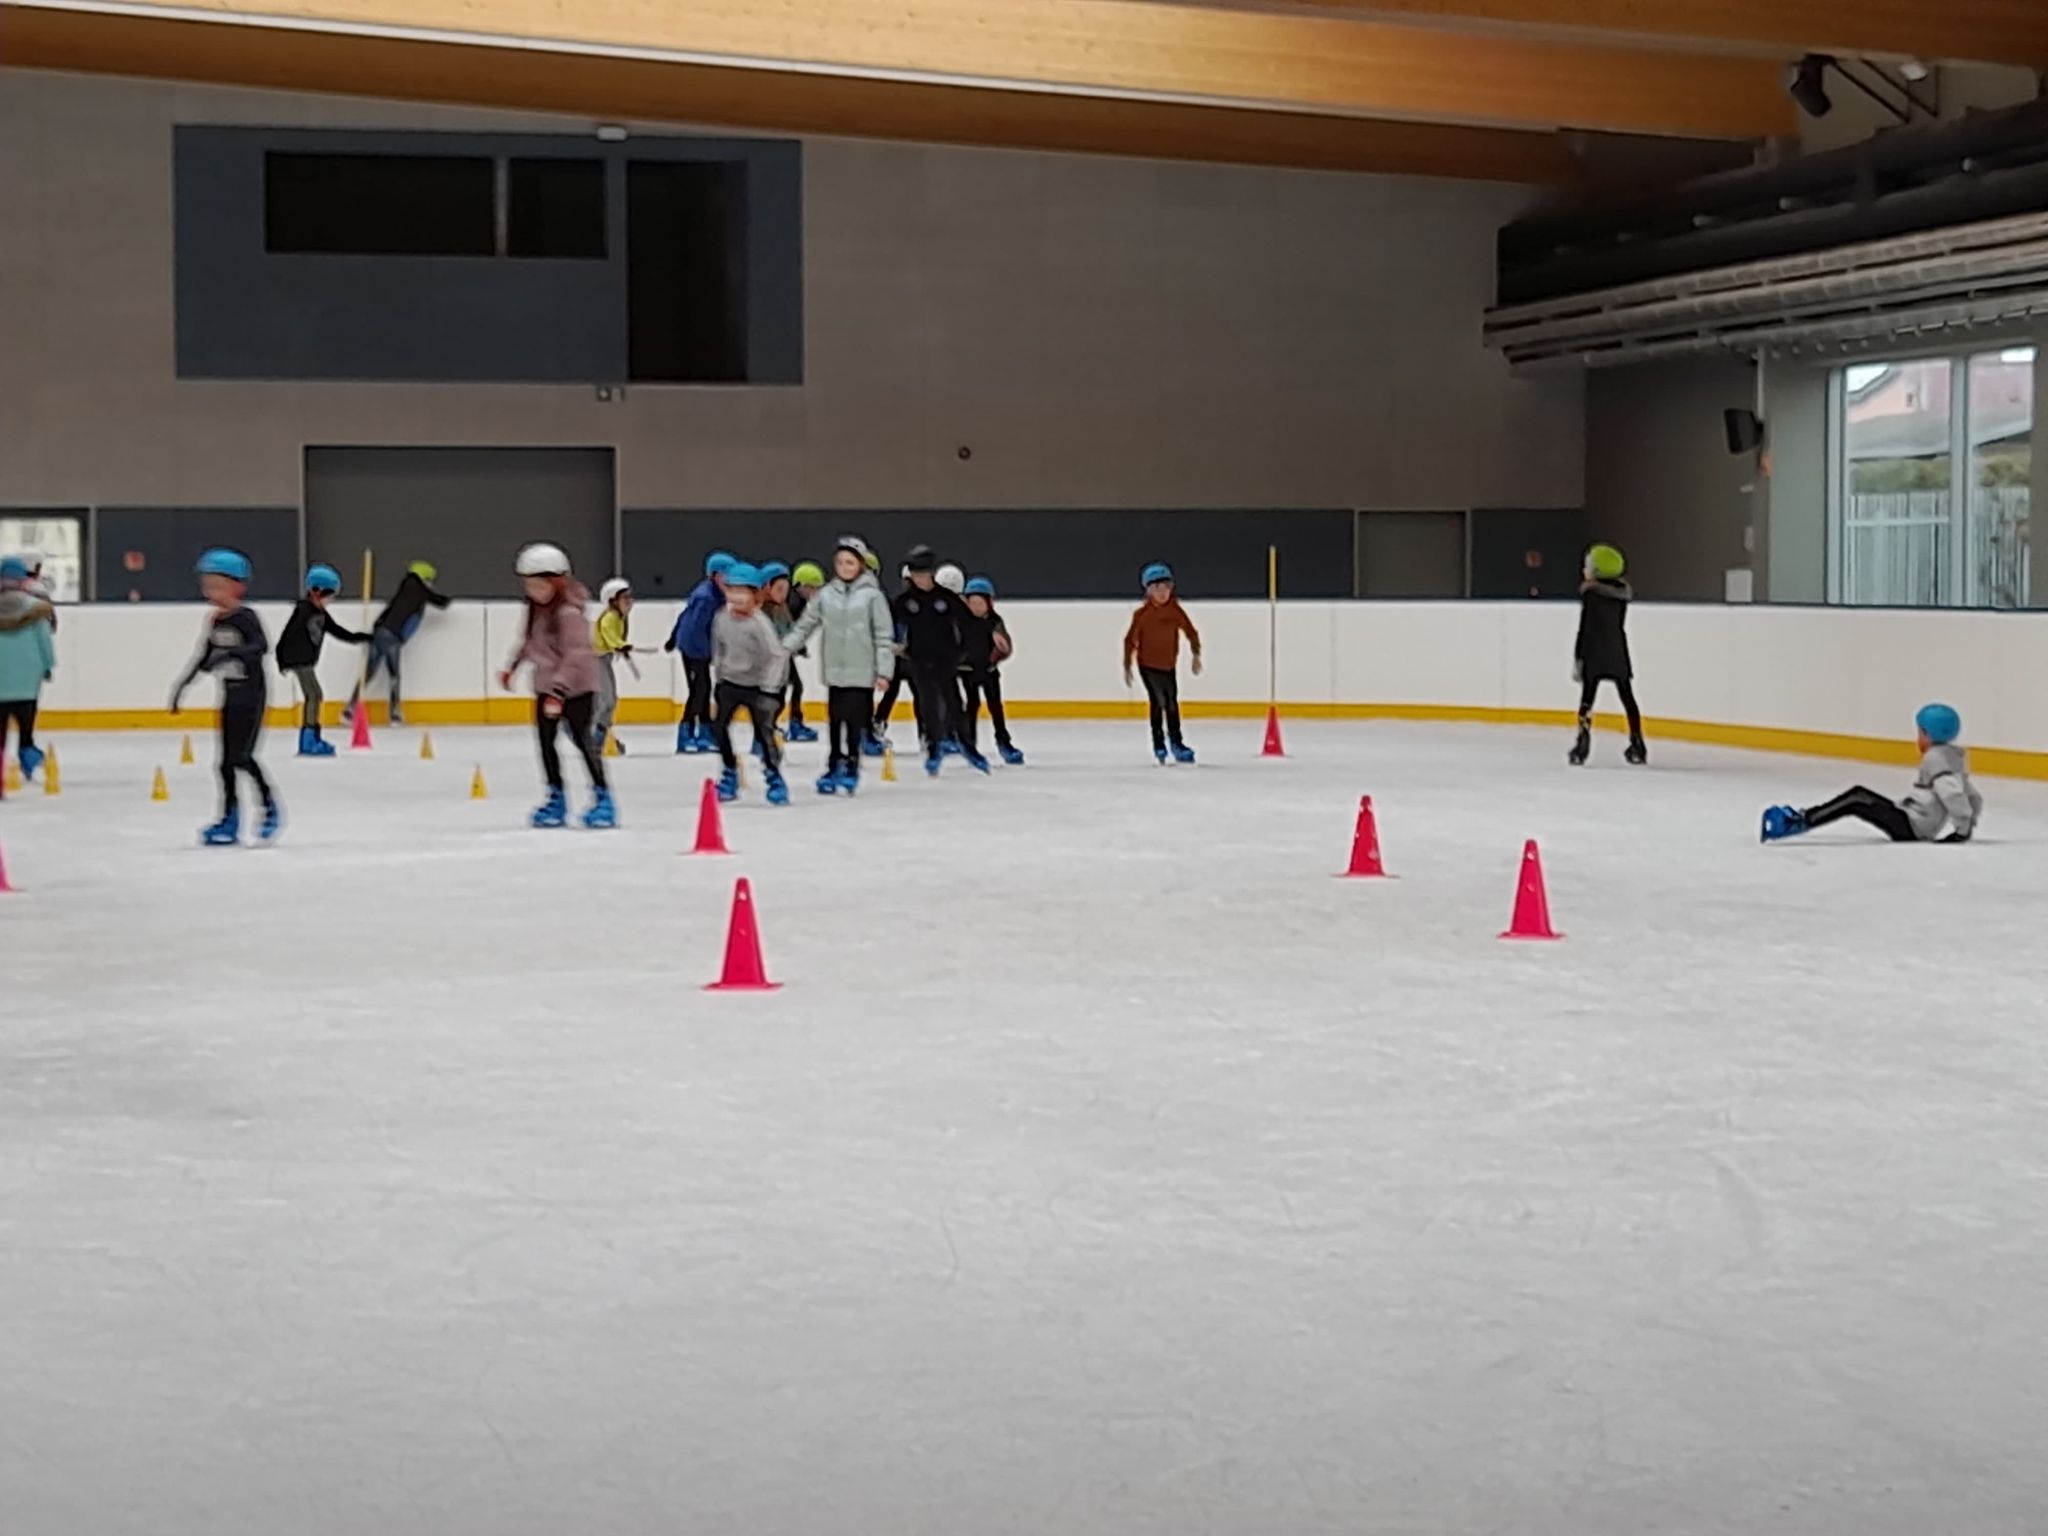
(243, 313)
(1026, 552)
(1411, 554)
(146, 554)
(1660, 482)
(465, 510)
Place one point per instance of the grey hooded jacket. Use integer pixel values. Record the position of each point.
(859, 648)
(1943, 795)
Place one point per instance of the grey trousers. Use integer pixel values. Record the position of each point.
(308, 679)
(607, 699)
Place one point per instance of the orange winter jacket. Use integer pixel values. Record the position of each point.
(1154, 635)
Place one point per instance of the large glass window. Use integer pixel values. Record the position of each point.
(1934, 474)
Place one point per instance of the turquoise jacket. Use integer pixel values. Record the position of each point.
(27, 653)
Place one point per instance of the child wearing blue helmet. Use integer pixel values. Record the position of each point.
(691, 640)
(232, 649)
(1153, 642)
(984, 647)
(298, 651)
(1943, 805)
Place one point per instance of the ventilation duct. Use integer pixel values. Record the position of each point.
(1970, 276)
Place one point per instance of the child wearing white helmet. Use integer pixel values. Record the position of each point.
(556, 644)
(613, 647)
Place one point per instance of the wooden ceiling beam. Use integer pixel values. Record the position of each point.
(1197, 53)
(609, 89)
(1957, 31)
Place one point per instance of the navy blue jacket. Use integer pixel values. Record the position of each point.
(692, 634)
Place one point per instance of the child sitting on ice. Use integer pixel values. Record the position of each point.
(1942, 794)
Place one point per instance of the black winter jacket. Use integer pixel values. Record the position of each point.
(1602, 647)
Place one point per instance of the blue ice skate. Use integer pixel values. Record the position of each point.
(975, 760)
(1011, 755)
(271, 825)
(1183, 753)
(1781, 822)
(778, 787)
(849, 778)
(310, 743)
(871, 745)
(31, 760)
(553, 811)
(828, 782)
(729, 785)
(801, 732)
(602, 815)
(1159, 756)
(686, 739)
(950, 747)
(224, 833)
(933, 763)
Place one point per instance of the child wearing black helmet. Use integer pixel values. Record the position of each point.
(985, 646)
(298, 652)
(232, 649)
(1942, 796)
(1153, 642)
(1600, 654)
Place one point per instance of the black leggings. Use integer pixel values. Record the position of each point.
(576, 714)
(795, 695)
(23, 713)
(762, 708)
(938, 704)
(977, 686)
(886, 705)
(1162, 689)
(697, 700)
(1865, 805)
(240, 727)
(849, 715)
(1591, 686)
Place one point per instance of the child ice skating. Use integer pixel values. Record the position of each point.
(691, 640)
(613, 646)
(1600, 654)
(397, 624)
(885, 706)
(298, 652)
(1942, 796)
(856, 657)
(929, 618)
(556, 644)
(28, 655)
(985, 641)
(233, 649)
(750, 664)
(805, 581)
(1153, 642)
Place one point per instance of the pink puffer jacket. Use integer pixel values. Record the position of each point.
(557, 644)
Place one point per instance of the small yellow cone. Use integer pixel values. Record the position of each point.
(888, 765)
(53, 780)
(161, 789)
(426, 746)
(185, 758)
(13, 778)
(476, 784)
(611, 745)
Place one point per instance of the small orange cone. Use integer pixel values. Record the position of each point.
(611, 745)
(359, 739)
(476, 784)
(12, 778)
(5, 888)
(1365, 846)
(744, 970)
(426, 746)
(185, 758)
(53, 777)
(161, 789)
(1532, 903)
(888, 764)
(710, 825)
(1272, 748)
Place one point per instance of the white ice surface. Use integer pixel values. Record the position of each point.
(1105, 1167)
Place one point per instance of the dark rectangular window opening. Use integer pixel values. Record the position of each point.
(379, 205)
(555, 208)
(686, 272)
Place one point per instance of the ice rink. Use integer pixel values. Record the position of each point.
(1105, 1168)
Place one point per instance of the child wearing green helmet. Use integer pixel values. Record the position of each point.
(1600, 653)
(394, 627)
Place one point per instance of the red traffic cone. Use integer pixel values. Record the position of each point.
(710, 825)
(5, 888)
(1272, 748)
(359, 739)
(744, 969)
(1532, 905)
(1365, 846)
